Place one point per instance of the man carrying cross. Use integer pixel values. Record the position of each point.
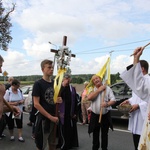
(43, 93)
(68, 108)
(68, 115)
(46, 99)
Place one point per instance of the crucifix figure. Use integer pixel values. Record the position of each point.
(62, 55)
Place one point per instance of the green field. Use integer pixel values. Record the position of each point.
(22, 82)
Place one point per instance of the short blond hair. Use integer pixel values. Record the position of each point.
(94, 77)
(46, 61)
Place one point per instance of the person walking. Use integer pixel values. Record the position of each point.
(135, 79)
(3, 125)
(138, 110)
(99, 102)
(85, 104)
(43, 93)
(15, 97)
(68, 115)
(3, 106)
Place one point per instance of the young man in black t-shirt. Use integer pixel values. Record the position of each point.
(43, 93)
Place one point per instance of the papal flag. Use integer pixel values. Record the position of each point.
(104, 74)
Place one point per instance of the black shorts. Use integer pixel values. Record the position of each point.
(44, 132)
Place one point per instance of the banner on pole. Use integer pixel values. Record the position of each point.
(104, 74)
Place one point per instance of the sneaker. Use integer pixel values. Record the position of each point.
(20, 139)
(12, 138)
(29, 124)
(33, 137)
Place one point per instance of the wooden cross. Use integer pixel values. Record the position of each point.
(64, 53)
(62, 66)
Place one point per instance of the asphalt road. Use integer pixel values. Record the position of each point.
(119, 139)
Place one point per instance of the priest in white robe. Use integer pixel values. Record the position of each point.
(141, 87)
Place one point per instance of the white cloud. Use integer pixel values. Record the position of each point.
(109, 22)
(120, 63)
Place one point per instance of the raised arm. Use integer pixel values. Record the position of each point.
(137, 53)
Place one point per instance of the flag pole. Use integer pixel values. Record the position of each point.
(104, 93)
(101, 109)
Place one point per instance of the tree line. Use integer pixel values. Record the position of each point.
(79, 79)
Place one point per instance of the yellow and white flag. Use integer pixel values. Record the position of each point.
(104, 74)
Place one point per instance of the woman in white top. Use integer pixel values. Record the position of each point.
(14, 97)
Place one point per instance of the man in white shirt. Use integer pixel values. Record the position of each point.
(98, 102)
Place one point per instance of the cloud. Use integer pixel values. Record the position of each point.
(107, 22)
(120, 63)
(96, 18)
(117, 64)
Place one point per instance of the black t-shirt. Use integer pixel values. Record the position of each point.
(45, 90)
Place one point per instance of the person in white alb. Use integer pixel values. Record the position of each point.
(138, 110)
(140, 85)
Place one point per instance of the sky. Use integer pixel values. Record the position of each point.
(95, 30)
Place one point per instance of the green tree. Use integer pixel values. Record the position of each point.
(79, 80)
(73, 80)
(5, 25)
(113, 78)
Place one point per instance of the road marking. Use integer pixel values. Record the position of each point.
(121, 130)
(115, 129)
